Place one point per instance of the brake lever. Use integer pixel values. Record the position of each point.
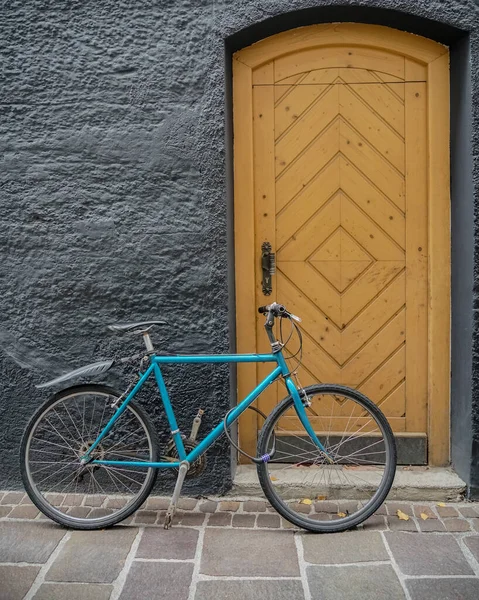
(295, 318)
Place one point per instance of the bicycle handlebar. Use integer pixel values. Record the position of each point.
(277, 310)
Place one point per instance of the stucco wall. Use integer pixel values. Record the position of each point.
(114, 186)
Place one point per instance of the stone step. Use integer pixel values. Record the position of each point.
(411, 483)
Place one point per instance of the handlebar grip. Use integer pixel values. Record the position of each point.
(263, 310)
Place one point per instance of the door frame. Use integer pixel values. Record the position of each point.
(436, 59)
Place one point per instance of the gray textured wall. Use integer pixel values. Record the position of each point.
(114, 184)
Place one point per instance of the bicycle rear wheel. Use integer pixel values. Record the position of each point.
(337, 490)
(61, 431)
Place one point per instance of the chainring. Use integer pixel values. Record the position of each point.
(197, 467)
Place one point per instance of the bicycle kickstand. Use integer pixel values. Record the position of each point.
(184, 466)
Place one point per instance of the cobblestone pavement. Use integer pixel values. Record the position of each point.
(228, 549)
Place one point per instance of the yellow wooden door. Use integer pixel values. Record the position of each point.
(339, 171)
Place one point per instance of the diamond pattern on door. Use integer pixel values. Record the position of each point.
(340, 226)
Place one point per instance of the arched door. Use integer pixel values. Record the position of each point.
(341, 164)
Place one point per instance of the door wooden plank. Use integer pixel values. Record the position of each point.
(366, 231)
(308, 235)
(346, 56)
(379, 97)
(367, 287)
(369, 162)
(265, 203)
(244, 241)
(416, 256)
(386, 377)
(306, 128)
(371, 201)
(378, 132)
(372, 355)
(389, 301)
(307, 165)
(309, 200)
(439, 260)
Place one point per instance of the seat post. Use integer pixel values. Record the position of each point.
(148, 342)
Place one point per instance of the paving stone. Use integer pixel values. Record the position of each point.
(431, 525)
(79, 511)
(4, 510)
(457, 525)
(427, 510)
(12, 498)
(327, 507)
(192, 518)
(298, 507)
(76, 500)
(249, 553)
(24, 511)
(209, 506)
(157, 503)
(16, 581)
(347, 547)
(94, 500)
(447, 589)
(381, 510)
(268, 520)
(351, 583)
(73, 591)
(468, 511)
(28, 542)
(100, 512)
(393, 507)
(229, 506)
(447, 511)
(250, 590)
(177, 543)
(397, 524)
(473, 544)
(55, 499)
(116, 502)
(285, 524)
(187, 503)
(375, 523)
(219, 520)
(92, 556)
(254, 506)
(146, 516)
(26, 500)
(427, 554)
(161, 581)
(243, 520)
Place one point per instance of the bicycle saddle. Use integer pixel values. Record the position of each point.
(134, 327)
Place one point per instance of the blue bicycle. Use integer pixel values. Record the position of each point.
(326, 453)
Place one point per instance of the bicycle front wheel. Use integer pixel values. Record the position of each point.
(61, 431)
(333, 490)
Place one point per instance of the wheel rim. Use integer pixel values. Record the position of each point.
(334, 490)
(61, 435)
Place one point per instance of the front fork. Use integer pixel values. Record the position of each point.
(299, 405)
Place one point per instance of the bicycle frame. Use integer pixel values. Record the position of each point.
(281, 369)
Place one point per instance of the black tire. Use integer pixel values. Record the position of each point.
(375, 502)
(54, 512)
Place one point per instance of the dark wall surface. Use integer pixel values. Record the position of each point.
(116, 188)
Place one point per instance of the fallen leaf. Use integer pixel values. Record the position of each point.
(341, 514)
(443, 504)
(424, 516)
(306, 501)
(320, 497)
(402, 516)
(273, 478)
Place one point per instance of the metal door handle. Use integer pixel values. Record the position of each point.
(268, 266)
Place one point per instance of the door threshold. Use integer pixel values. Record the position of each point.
(437, 484)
